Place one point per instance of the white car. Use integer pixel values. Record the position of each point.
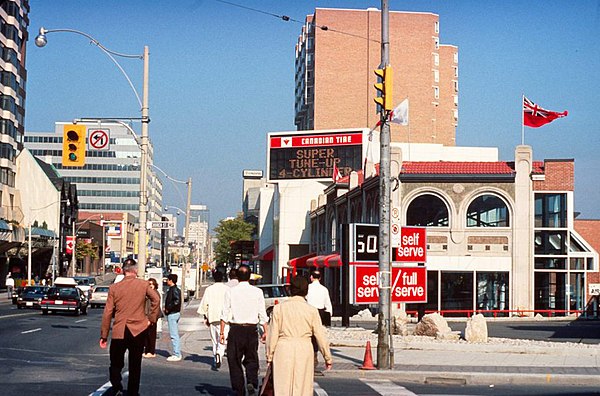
(99, 296)
(274, 294)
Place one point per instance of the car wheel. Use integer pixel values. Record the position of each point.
(44, 312)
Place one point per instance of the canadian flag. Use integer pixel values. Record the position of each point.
(336, 175)
(70, 244)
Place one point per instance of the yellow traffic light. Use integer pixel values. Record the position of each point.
(73, 145)
(385, 88)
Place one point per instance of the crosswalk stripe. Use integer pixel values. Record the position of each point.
(100, 391)
(319, 391)
(387, 388)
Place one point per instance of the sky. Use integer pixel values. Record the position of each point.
(222, 77)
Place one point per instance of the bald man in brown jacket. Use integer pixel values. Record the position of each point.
(126, 302)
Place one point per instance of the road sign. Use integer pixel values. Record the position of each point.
(98, 139)
(160, 225)
(409, 284)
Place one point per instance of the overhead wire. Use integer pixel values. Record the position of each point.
(287, 18)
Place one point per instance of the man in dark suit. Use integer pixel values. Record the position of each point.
(126, 302)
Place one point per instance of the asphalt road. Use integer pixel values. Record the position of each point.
(59, 355)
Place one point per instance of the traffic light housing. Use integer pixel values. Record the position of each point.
(74, 145)
(385, 88)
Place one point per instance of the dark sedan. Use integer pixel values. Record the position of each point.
(69, 299)
(31, 297)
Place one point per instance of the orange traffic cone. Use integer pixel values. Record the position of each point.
(368, 360)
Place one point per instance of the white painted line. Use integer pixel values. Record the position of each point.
(80, 320)
(31, 331)
(19, 314)
(387, 388)
(318, 390)
(100, 391)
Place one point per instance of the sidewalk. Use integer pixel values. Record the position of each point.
(423, 359)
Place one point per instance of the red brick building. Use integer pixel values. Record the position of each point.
(334, 73)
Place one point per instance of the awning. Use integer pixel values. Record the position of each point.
(265, 255)
(42, 232)
(301, 262)
(330, 261)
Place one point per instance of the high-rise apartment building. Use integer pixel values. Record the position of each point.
(337, 53)
(14, 21)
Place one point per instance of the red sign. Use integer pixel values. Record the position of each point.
(339, 139)
(409, 284)
(413, 246)
(70, 244)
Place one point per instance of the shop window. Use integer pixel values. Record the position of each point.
(575, 245)
(432, 294)
(550, 263)
(576, 291)
(457, 293)
(492, 292)
(577, 263)
(550, 210)
(427, 211)
(487, 211)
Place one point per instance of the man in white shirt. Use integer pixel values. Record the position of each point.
(318, 297)
(10, 285)
(244, 307)
(233, 280)
(211, 307)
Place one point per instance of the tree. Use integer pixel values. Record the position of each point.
(227, 231)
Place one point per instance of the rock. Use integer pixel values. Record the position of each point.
(400, 323)
(364, 314)
(448, 336)
(431, 325)
(476, 330)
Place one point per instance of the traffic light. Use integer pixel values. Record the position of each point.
(385, 88)
(73, 145)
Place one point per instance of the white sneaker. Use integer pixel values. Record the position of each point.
(173, 358)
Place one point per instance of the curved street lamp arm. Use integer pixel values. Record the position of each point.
(167, 176)
(107, 51)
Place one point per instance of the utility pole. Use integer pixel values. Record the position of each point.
(384, 340)
(186, 239)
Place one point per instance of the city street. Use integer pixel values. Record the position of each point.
(59, 354)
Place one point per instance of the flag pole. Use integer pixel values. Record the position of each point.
(522, 120)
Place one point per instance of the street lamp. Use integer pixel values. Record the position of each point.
(41, 40)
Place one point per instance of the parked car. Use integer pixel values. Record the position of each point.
(31, 297)
(64, 298)
(274, 294)
(99, 296)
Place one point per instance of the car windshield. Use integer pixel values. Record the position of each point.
(82, 281)
(64, 292)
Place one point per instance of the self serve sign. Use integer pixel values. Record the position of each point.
(409, 284)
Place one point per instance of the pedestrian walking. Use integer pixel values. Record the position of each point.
(172, 310)
(150, 344)
(318, 297)
(233, 278)
(10, 285)
(211, 307)
(244, 307)
(293, 324)
(125, 302)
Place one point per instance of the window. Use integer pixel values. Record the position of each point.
(436, 59)
(436, 92)
(436, 42)
(427, 210)
(456, 72)
(456, 57)
(550, 210)
(487, 211)
(436, 76)
(551, 242)
(436, 26)
(492, 292)
(455, 100)
(455, 85)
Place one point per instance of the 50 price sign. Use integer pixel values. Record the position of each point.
(365, 243)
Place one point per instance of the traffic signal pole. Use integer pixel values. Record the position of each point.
(385, 347)
(143, 231)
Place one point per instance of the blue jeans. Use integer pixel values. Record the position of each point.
(173, 320)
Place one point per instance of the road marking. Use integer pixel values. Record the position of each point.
(80, 320)
(19, 314)
(318, 390)
(100, 391)
(387, 388)
(31, 331)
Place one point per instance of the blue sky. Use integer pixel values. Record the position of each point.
(221, 77)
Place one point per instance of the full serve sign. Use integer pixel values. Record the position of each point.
(409, 284)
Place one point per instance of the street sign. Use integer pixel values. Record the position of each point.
(160, 225)
(409, 284)
(99, 139)
(594, 289)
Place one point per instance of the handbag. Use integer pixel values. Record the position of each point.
(266, 388)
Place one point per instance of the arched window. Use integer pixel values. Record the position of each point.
(427, 210)
(487, 211)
